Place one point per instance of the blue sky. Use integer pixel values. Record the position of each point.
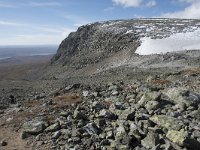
(34, 22)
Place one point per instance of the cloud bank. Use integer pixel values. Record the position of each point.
(192, 11)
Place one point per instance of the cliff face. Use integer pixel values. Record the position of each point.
(115, 42)
(100, 46)
(93, 43)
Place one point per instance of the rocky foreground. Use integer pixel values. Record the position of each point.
(158, 113)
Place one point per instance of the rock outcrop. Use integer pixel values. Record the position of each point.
(97, 42)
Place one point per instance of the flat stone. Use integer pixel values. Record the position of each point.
(107, 114)
(33, 127)
(177, 137)
(149, 96)
(151, 140)
(53, 127)
(56, 134)
(182, 95)
(152, 105)
(113, 87)
(167, 122)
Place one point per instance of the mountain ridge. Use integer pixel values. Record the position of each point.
(101, 46)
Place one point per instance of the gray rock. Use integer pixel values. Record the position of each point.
(113, 87)
(76, 140)
(33, 127)
(53, 127)
(167, 122)
(119, 105)
(181, 106)
(149, 96)
(131, 116)
(152, 105)
(109, 135)
(166, 146)
(3, 143)
(91, 128)
(151, 140)
(65, 113)
(85, 93)
(114, 93)
(56, 134)
(177, 137)
(79, 115)
(182, 95)
(182, 139)
(120, 131)
(197, 114)
(101, 122)
(105, 142)
(196, 134)
(95, 94)
(98, 105)
(121, 136)
(107, 114)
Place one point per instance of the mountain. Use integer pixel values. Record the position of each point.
(100, 46)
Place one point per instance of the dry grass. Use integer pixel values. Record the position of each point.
(35, 108)
(192, 71)
(65, 100)
(161, 82)
(32, 103)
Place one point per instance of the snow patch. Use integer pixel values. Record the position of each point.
(176, 42)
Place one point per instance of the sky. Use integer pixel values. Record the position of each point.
(44, 22)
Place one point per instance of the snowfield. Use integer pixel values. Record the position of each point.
(176, 42)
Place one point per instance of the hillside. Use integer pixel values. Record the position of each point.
(102, 46)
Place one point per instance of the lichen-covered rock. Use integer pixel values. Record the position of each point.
(53, 127)
(167, 122)
(34, 127)
(151, 140)
(152, 105)
(149, 96)
(182, 95)
(178, 137)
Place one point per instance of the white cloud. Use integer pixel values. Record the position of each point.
(186, 1)
(47, 34)
(4, 5)
(190, 12)
(128, 3)
(9, 23)
(35, 39)
(135, 3)
(44, 4)
(151, 3)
